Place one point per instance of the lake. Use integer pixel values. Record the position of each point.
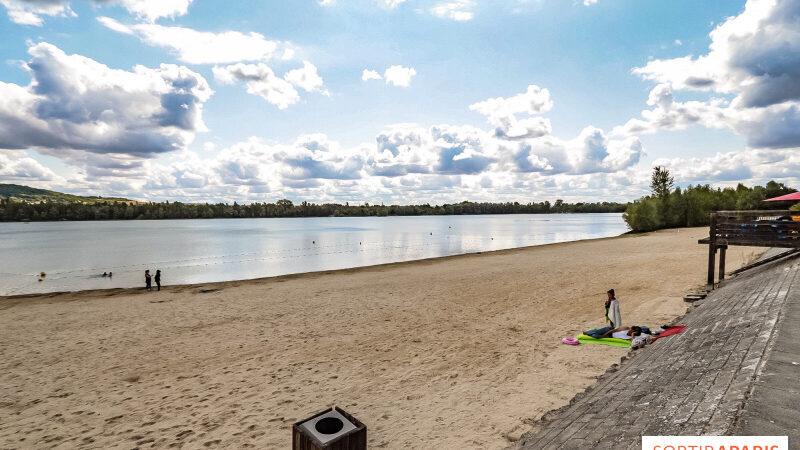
(75, 254)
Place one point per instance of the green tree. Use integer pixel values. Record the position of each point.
(661, 182)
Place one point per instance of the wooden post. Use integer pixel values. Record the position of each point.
(722, 250)
(712, 249)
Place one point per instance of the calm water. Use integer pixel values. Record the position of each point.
(74, 254)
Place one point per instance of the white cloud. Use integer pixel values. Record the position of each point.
(392, 3)
(749, 166)
(593, 152)
(23, 169)
(409, 164)
(154, 9)
(677, 42)
(776, 126)
(534, 100)
(443, 149)
(314, 156)
(114, 25)
(197, 47)
(99, 110)
(669, 114)
(200, 47)
(261, 167)
(396, 75)
(367, 75)
(399, 75)
(458, 10)
(464, 150)
(405, 163)
(754, 57)
(261, 81)
(589, 2)
(402, 149)
(29, 12)
(501, 112)
(755, 54)
(306, 78)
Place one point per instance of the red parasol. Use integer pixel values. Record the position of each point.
(783, 198)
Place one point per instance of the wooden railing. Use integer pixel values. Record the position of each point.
(751, 229)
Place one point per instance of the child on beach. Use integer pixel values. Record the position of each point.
(613, 315)
(158, 279)
(147, 280)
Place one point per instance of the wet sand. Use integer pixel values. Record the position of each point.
(455, 352)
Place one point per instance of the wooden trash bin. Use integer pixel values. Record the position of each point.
(332, 429)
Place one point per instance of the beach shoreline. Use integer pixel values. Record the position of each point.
(460, 351)
(107, 292)
(198, 252)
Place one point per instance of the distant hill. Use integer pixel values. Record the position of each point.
(33, 195)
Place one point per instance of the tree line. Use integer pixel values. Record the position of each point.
(666, 207)
(673, 207)
(15, 210)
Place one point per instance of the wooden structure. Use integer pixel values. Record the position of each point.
(354, 439)
(750, 229)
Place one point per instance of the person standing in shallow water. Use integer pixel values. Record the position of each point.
(147, 278)
(158, 279)
(613, 316)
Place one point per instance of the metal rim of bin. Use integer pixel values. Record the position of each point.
(350, 425)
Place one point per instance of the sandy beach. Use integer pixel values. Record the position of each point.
(456, 352)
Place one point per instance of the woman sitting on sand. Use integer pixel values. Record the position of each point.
(618, 333)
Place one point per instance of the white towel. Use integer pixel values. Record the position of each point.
(614, 314)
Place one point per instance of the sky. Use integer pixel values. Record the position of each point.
(397, 101)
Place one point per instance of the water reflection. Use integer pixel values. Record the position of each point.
(73, 254)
